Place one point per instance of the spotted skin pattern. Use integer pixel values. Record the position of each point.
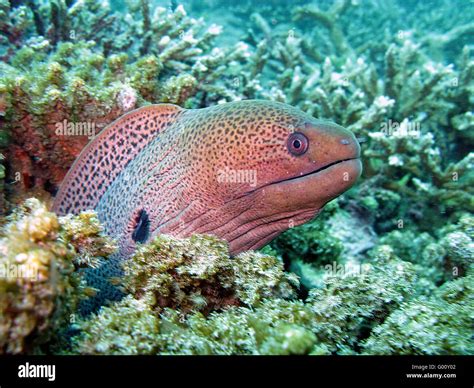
(165, 162)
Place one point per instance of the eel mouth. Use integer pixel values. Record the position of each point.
(327, 180)
(317, 171)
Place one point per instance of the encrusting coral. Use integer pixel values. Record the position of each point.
(351, 304)
(441, 324)
(446, 256)
(39, 285)
(188, 296)
(334, 319)
(131, 328)
(198, 274)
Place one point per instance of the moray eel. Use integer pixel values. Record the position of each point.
(243, 171)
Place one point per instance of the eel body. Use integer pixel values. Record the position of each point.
(243, 171)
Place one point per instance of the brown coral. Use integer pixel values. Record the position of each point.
(39, 284)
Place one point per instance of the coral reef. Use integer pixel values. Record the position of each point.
(275, 327)
(446, 256)
(349, 305)
(59, 94)
(197, 274)
(334, 318)
(401, 116)
(39, 285)
(188, 296)
(441, 324)
(385, 269)
(131, 328)
(414, 113)
(85, 234)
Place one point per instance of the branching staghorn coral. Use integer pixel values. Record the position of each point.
(15, 25)
(416, 166)
(413, 87)
(39, 285)
(414, 118)
(329, 20)
(336, 28)
(56, 97)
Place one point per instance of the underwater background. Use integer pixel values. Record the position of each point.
(386, 268)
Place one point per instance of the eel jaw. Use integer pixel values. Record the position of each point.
(329, 165)
(312, 190)
(255, 218)
(291, 202)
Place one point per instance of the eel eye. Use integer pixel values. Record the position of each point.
(297, 143)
